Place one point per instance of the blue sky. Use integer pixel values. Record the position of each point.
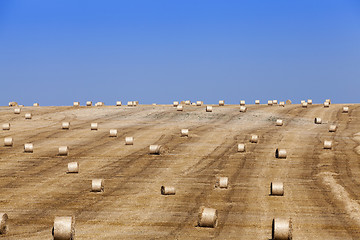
(59, 51)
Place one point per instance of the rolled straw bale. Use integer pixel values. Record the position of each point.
(279, 122)
(28, 147)
(99, 104)
(36, 104)
(13, 104)
(332, 128)
(179, 108)
(327, 144)
(280, 153)
(3, 223)
(175, 103)
(8, 142)
(187, 102)
(129, 141)
(208, 217)
(118, 103)
(17, 110)
(281, 229)
(221, 182)
(94, 126)
(281, 104)
(254, 138)
(257, 101)
(275, 102)
(317, 120)
(113, 133)
(288, 101)
(76, 104)
(242, 103)
(304, 104)
(193, 104)
(241, 147)
(28, 115)
(328, 100)
(97, 185)
(155, 149)
(89, 103)
(167, 190)
(63, 150)
(277, 189)
(73, 167)
(221, 102)
(309, 101)
(198, 103)
(65, 125)
(154, 104)
(6, 126)
(135, 103)
(208, 108)
(243, 109)
(130, 104)
(184, 132)
(64, 228)
(345, 109)
(326, 104)
(270, 103)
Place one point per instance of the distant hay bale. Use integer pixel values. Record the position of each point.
(113, 133)
(221, 102)
(309, 101)
(35, 104)
(288, 101)
(63, 150)
(332, 128)
(3, 223)
(65, 125)
(28, 115)
(130, 104)
(208, 217)
(198, 103)
(179, 108)
(8, 142)
(73, 167)
(135, 103)
(345, 109)
(328, 100)
(304, 104)
(97, 185)
(270, 103)
(28, 147)
(208, 108)
(243, 109)
(275, 102)
(64, 228)
(276, 189)
(89, 103)
(281, 104)
(6, 126)
(257, 101)
(99, 104)
(17, 110)
(94, 126)
(254, 138)
(184, 132)
(129, 141)
(241, 147)
(242, 103)
(76, 104)
(155, 149)
(317, 120)
(175, 103)
(187, 102)
(193, 104)
(326, 104)
(327, 144)
(302, 101)
(280, 153)
(118, 103)
(154, 104)
(167, 190)
(281, 229)
(13, 104)
(221, 182)
(279, 122)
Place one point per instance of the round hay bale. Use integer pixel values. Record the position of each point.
(309, 101)
(65, 125)
(332, 128)
(277, 189)
(167, 190)
(76, 104)
(94, 126)
(28, 147)
(155, 149)
(175, 103)
(193, 104)
(89, 103)
(35, 104)
(135, 103)
(275, 102)
(73, 167)
(327, 144)
(8, 142)
(187, 102)
(288, 101)
(317, 120)
(198, 103)
(302, 101)
(208, 108)
(6, 126)
(184, 132)
(326, 104)
(3, 223)
(130, 104)
(281, 229)
(64, 228)
(97, 185)
(257, 101)
(243, 109)
(242, 103)
(280, 153)
(208, 217)
(17, 110)
(28, 115)
(345, 109)
(113, 133)
(63, 150)
(221, 102)
(118, 103)
(282, 104)
(279, 122)
(241, 147)
(328, 100)
(13, 104)
(99, 104)
(129, 141)
(304, 104)
(270, 103)
(179, 108)
(254, 138)
(222, 182)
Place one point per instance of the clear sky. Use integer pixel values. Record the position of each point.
(58, 51)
